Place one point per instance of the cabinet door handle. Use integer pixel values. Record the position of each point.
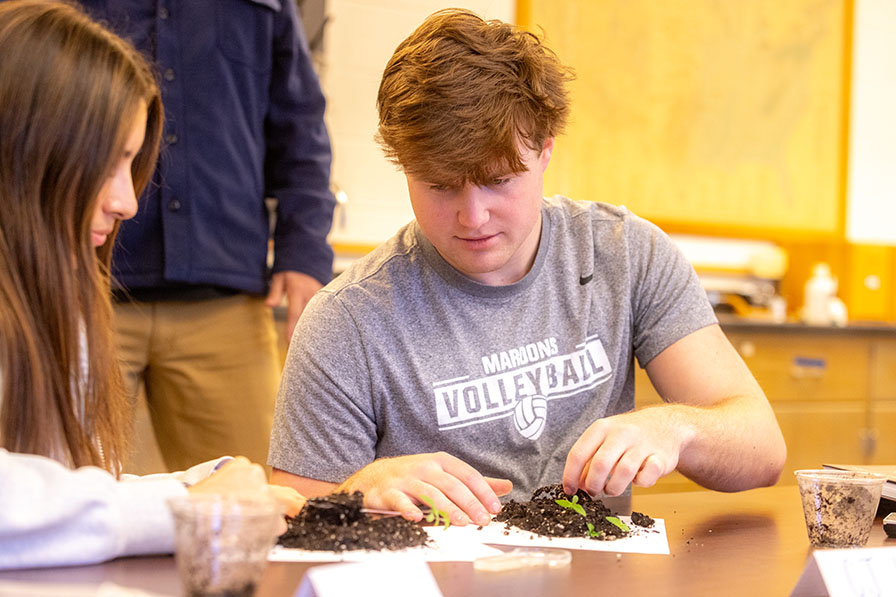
(807, 368)
(868, 442)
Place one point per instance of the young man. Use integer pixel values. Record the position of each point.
(495, 336)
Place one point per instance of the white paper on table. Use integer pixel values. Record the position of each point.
(649, 541)
(848, 572)
(53, 589)
(371, 579)
(447, 546)
(468, 543)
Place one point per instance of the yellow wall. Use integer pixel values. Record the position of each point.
(718, 118)
(705, 116)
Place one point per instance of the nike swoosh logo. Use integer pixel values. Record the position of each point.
(585, 279)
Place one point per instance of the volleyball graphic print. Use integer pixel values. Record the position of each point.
(529, 416)
(518, 383)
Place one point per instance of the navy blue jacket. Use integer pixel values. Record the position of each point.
(244, 121)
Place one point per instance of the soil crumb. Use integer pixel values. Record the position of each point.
(586, 517)
(337, 523)
(642, 520)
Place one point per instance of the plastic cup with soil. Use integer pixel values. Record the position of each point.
(221, 543)
(839, 506)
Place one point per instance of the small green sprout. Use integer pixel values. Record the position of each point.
(619, 523)
(573, 505)
(576, 507)
(435, 516)
(592, 532)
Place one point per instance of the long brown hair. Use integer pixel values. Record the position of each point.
(460, 93)
(69, 91)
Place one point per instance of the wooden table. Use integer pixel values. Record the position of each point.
(750, 543)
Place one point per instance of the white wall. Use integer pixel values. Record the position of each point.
(871, 187)
(360, 38)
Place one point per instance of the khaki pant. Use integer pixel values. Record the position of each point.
(210, 370)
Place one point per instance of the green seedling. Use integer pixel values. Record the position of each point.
(576, 507)
(619, 523)
(592, 532)
(573, 505)
(435, 516)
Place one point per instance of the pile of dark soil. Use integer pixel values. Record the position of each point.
(543, 515)
(337, 523)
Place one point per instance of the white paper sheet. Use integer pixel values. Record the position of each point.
(466, 544)
(370, 579)
(447, 546)
(52, 589)
(652, 540)
(851, 572)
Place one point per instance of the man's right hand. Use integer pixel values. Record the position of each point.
(452, 485)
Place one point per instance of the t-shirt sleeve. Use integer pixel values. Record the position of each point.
(324, 423)
(668, 301)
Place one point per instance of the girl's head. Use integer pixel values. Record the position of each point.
(80, 123)
(70, 92)
(117, 199)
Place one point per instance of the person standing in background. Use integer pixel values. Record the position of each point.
(244, 122)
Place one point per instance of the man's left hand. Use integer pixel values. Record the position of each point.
(298, 288)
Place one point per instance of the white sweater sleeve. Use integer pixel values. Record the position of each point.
(51, 515)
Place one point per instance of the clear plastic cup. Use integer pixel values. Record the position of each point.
(221, 543)
(525, 557)
(839, 506)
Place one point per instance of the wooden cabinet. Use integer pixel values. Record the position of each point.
(817, 383)
(883, 402)
(833, 391)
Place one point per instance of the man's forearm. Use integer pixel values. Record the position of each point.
(735, 445)
(308, 487)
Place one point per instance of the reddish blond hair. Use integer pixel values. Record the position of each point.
(460, 94)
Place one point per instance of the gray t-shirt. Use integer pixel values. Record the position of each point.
(401, 354)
